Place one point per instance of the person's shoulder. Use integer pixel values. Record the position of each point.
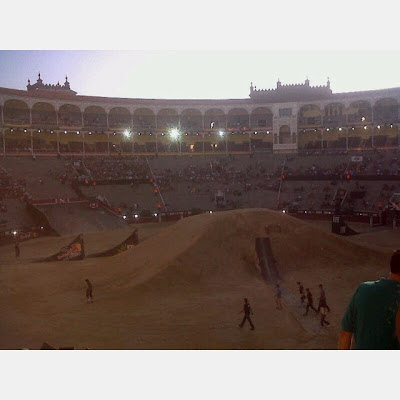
(368, 284)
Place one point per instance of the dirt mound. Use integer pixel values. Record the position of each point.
(183, 288)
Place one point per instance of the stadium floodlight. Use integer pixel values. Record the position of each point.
(391, 125)
(221, 133)
(340, 129)
(210, 212)
(136, 215)
(77, 132)
(379, 127)
(39, 130)
(124, 216)
(327, 129)
(14, 233)
(127, 133)
(365, 126)
(174, 134)
(155, 214)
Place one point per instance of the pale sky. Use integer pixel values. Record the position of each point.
(197, 75)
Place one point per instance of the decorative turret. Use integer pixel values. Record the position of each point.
(328, 84)
(66, 84)
(291, 92)
(39, 85)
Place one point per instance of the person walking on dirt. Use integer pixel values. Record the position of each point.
(17, 252)
(247, 311)
(310, 302)
(322, 299)
(302, 295)
(278, 297)
(89, 291)
(324, 311)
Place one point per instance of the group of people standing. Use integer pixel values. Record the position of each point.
(323, 307)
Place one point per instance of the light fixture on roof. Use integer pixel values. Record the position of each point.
(127, 133)
(39, 130)
(221, 133)
(77, 132)
(65, 132)
(90, 132)
(340, 129)
(25, 130)
(379, 127)
(391, 125)
(362, 118)
(327, 129)
(365, 126)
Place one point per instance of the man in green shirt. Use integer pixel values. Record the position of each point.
(372, 318)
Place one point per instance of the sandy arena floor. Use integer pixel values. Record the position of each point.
(183, 286)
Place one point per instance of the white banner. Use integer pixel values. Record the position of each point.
(356, 158)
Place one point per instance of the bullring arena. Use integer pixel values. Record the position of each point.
(199, 181)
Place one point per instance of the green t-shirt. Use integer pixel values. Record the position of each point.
(371, 315)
